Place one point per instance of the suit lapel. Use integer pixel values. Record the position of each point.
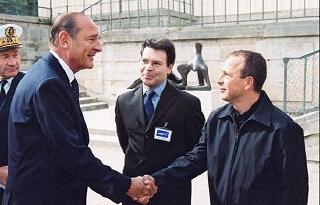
(166, 101)
(58, 68)
(13, 86)
(137, 105)
(62, 74)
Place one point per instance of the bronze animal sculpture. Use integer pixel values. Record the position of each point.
(198, 65)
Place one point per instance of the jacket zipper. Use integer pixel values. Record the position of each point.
(234, 152)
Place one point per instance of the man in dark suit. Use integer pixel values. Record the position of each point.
(154, 131)
(49, 158)
(10, 76)
(254, 152)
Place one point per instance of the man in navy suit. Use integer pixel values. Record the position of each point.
(49, 158)
(9, 78)
(153, 140)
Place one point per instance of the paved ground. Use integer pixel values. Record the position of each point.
(105, 146)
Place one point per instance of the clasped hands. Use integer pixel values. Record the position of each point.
(3, 175)
(142, 189)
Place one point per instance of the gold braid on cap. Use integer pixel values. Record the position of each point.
(11, 39)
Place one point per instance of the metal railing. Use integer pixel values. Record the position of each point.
(301, 84)
(141, 13)
(119, 14)
(115, 14)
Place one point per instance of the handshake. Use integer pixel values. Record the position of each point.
(142, 189)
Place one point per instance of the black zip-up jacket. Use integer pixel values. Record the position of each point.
(261, 163)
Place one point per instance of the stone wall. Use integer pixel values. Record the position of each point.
(117, 66)
(35, 36)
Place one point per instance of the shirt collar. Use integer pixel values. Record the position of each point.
(158, 89)
(65, 66)
(9, 80)
(7, 85)
(262, 114)
(248, 113)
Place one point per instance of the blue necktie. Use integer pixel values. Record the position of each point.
(148, 107)
(2, 92)
(75, 89)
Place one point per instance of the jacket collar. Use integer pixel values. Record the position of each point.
(262, 114)
(64, 65)
(52, 60)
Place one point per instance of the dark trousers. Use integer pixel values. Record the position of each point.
(1, 195)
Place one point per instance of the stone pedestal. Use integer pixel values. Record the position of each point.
(210, 100)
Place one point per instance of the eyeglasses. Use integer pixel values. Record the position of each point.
(153, 63)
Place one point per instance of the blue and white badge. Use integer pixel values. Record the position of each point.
(163, 134)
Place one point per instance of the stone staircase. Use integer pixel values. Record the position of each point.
(88, 103)
(309, 122)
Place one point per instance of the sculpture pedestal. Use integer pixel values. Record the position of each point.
(210, 100)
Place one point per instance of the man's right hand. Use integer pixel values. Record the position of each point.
(3, 175)
(142, 189)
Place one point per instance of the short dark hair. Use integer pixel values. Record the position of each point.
(161, 44)
(65, 22)
(255, 66)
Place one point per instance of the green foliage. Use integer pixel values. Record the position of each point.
(19, 7)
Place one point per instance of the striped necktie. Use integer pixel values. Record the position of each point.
(75, 89)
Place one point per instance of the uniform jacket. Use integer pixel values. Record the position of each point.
(264, 163)
(49, 160)
(4, 115)
(177, 111)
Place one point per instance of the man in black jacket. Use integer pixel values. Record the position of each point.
(9, 78)
(152, 141)
(254, 152)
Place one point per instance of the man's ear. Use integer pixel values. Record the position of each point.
(170, 69)
(249, 82)
(64, 38)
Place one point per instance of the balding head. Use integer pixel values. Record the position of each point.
(66, 22)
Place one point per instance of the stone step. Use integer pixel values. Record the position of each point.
(312, 147)
(93, 106)
(82, 93)
(309, 122)
(103, 131)
(104, 138)
(87, 99)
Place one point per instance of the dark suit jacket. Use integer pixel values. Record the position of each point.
(4, 115)
(49, 160)
(181, 113)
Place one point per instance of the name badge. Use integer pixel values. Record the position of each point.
(162, 134)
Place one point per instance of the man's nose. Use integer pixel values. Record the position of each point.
(220, 81)
(149, 66)
(98, 47)
(12, 61)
